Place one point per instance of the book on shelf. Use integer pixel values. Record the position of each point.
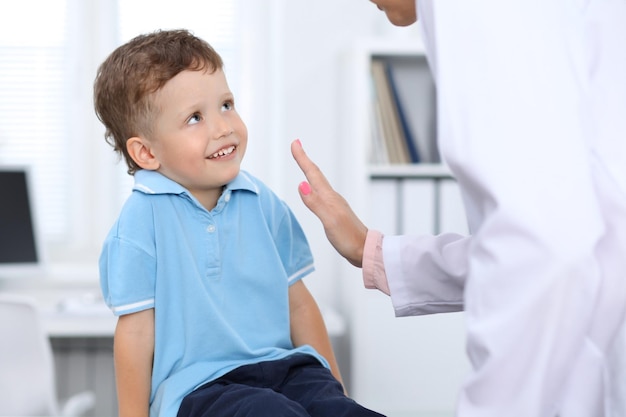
(404, 111)
(378, 148)
(407, 134)
(386, 114)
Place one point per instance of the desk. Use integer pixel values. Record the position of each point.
(95, 323)
(72, 306)
(72, 325)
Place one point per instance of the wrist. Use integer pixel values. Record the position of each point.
(357, 251)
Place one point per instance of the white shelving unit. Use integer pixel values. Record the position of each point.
(399, 366)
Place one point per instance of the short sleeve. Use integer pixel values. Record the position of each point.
(128, 260)
(127, 277)
(293, 247)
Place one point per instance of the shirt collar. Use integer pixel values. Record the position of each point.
(152, 182)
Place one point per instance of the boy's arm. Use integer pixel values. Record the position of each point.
(307, 325)
(133, 353)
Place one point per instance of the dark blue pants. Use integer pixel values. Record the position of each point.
(296, 386)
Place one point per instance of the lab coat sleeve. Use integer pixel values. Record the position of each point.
(511, 78)
(428, 273)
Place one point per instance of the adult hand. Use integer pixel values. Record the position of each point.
(343, 228)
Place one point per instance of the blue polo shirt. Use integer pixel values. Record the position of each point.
(218, 280)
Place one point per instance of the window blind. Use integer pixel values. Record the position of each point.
(37, 87)
(32, 131)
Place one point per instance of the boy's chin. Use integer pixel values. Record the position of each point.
(231, 174)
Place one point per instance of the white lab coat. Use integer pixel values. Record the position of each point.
(532, 123)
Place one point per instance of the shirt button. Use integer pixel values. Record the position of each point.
(227, 197)
(211, 228)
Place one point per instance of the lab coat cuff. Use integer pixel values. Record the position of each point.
(374, 276)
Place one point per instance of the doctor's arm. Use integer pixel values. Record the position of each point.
(426, 273)
(133, 354)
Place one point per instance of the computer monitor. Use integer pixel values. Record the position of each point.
(20, 252)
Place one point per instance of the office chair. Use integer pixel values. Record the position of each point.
(27, 374)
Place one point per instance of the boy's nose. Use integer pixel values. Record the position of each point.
(221, 128)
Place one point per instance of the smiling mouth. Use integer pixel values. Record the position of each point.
(223, 152)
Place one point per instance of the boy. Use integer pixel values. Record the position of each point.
(204, 266)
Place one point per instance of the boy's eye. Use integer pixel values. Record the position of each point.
(195, 118)
(228, 105)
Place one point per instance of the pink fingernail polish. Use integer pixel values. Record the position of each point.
(299, 143)
(305, 188)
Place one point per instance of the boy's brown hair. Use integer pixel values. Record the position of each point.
(134, 71)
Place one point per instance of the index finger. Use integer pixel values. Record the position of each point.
(309, 168)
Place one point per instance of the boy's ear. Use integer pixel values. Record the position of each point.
(140, 151)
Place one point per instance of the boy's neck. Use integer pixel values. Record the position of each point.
(208, 198)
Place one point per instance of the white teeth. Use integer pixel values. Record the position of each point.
(222, 152)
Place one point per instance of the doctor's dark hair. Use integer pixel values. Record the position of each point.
(127, 79)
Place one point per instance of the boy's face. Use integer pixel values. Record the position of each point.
(198, 137)
(399, 12)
